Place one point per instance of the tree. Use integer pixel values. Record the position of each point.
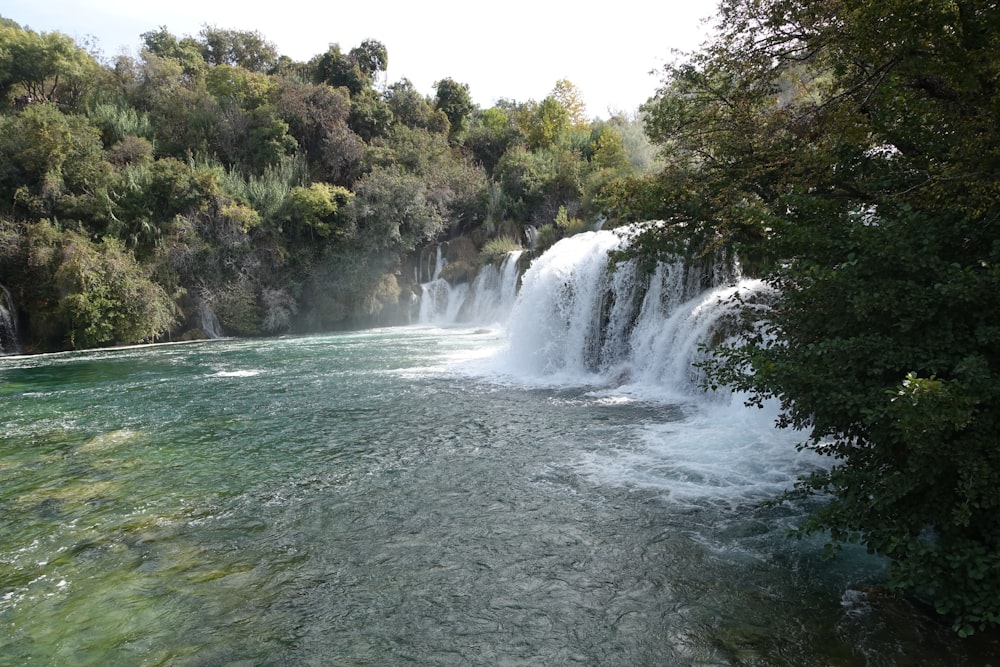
(408, 106)
(551, 121)
(239, 48)
(371, 57)
(234, 85)
(608, 151)
(53, 163)
(107, 298)
(521, 179)
(44, 67)
(337, 69)
(370, 116)
(393, 211)
(148, 200)
(571, 99)
(454, 100)
(185, 52)
(317, 117)
(490, 137)
(250, 132)
(83, 294)
(642, 153)
(319, 210)
(850, 150)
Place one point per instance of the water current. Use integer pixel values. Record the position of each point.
(403, 496)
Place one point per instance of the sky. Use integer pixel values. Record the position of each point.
(515, 50)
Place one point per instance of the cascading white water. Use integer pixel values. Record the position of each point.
(440, 303)
(580, 318)
(439, 262)
(488, 300)
(8, 323)
(493, 292)
(617, 335)
(556, 321)
(209, 321)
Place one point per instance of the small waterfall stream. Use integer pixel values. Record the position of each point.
(209, 321)
(488, 300)
(8, 323)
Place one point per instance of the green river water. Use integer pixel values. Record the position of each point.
(371, 499)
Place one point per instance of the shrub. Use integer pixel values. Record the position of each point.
(497, 249)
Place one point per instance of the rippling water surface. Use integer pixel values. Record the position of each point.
(388, 497)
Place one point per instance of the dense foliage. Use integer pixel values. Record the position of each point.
(850, 150)
(211, 175)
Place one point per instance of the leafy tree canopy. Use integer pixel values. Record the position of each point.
(571, 99)
(44, 66)
(851, 152)
(371, 57)
(238, 180)
(455, 101)
(408, 106)
(186, 52)
(240, 48)
(353, 70)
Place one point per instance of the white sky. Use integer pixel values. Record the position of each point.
(516, 49)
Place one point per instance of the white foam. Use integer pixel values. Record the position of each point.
(629, 338)
(247, 373)
(718, 454)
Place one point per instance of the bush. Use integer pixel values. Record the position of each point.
(545, 238)
(458, 272)
(107, 298)
(497, 249)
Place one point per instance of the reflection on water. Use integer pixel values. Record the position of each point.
(359, 499)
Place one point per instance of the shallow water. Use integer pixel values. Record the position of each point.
(391, 497)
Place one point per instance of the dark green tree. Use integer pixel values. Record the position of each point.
(339, 70)
(850, 150)
(371, 57)
(408, 106)
(370, 116)
(240, 48)
(455, 101)
(317, 117)
(490, 136)
(394, 212)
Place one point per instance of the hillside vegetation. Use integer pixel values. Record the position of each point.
(213, 176)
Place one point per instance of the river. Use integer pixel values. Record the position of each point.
(411, 495)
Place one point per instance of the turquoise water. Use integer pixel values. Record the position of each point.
(388, 497)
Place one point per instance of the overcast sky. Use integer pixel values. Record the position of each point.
(515, 49)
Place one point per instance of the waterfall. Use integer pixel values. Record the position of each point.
(488, 300)
(531, 233)
(209, 321)
(581, 318)
(440, 303)
(439, 262)
(8, 323)
(493, 292)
